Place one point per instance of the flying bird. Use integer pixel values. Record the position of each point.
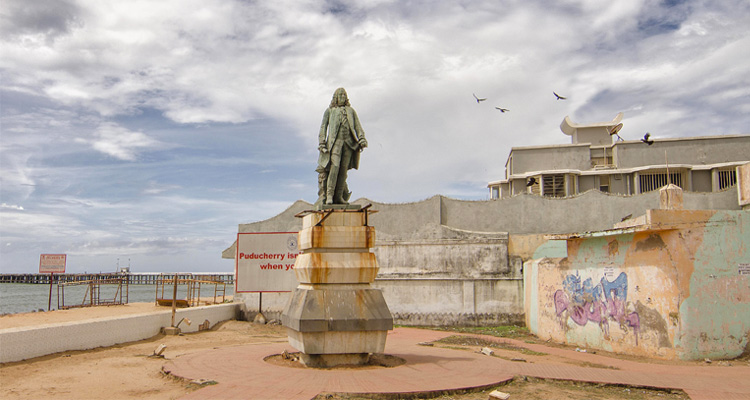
(647, 140)
(559, 97)
(531, 182)
(502, 110)
(478, 99)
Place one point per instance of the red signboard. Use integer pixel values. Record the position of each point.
(52, 263)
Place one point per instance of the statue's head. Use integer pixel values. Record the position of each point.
(340, 98)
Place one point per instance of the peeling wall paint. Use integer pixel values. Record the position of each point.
(673, 290)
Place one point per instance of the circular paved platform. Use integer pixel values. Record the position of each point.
(241, 372)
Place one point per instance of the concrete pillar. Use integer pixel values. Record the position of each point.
(670, 197)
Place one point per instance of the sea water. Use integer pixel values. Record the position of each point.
(21, 298)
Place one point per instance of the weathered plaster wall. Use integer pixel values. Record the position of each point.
(663, 292)
(715, 317)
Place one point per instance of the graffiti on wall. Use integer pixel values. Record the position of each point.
(600, 303)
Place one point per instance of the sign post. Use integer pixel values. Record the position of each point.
(264, 262)
(52, 263)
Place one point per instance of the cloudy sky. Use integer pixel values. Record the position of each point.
(148, 130)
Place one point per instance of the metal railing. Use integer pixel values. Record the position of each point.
(92, 295)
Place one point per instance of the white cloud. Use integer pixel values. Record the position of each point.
(236, 90)
(119, 142)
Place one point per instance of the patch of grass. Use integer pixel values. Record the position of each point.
(456, 348)
(475, 341)
(504, 331)
(522, 387)
(594, 365)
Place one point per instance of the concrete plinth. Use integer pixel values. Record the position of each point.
(334, 317)
(171, 330)
(332, 360)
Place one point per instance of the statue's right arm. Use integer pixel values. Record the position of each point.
(323, 128)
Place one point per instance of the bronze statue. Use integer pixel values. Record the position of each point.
(341, 139)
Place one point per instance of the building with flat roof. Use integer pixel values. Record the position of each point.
(598, 158)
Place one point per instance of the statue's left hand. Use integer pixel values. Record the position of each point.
(362, 143)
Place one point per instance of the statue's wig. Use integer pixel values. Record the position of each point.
(334, 102)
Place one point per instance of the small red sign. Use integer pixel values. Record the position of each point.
(52, 263)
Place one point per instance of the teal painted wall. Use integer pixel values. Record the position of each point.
(715, 319)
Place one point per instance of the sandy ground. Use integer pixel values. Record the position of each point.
(126, 371)
(130, 371)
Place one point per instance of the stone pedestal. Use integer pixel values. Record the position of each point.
(334, 317)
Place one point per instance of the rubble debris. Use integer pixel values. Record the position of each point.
(203, 382)
(159, 350)
(259, 319)
(206, 325)
(487, 351)
(496, 394)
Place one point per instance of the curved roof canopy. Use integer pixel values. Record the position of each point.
(569, 127)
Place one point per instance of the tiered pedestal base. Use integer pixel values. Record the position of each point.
(334, 317)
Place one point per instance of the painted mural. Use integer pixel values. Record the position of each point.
(586, 302)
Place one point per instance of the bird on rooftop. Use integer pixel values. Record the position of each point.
(531, 182)
(647, 140)
(502, 110)
(559, 97)
(478, 99)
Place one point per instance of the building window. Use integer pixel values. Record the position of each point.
(601, 157)
(727, 178)
(495, 192)
(604, 183)
(554, 185)
(653, 181)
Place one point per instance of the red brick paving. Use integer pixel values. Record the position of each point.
(242, 373)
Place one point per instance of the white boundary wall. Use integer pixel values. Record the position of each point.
(22, 343)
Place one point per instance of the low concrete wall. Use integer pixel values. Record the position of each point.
(22, 343)
(457, 302)
(427, 302)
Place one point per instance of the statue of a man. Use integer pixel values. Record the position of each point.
(340, 140)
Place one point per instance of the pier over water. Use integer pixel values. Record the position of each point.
(133, 278)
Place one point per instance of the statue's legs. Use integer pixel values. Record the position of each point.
(341, 187)
(333, 171)
(336, 186)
